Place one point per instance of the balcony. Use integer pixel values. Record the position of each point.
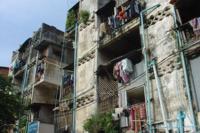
(18, 69)
(43, 96)
(109, 39)
(49, 38)
(114, 27)
(191, 36)
(189, 19)
(48, 75)
(47, 35)
(20, 61)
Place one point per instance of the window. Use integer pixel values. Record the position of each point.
(195, 80)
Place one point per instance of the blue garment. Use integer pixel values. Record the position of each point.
(135, 8)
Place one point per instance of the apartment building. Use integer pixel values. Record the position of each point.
(37, 71)
(138, 60)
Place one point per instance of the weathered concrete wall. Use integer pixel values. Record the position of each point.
(89, 5)
(87, 37)
(85, 76)
(83, 114)
(86, 80)
(150, 3)
(162, 45)
(87, 61)
(44, 95)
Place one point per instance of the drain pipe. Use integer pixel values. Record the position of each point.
(75, 69)
(158, 84)
(181, 118)
(142, 13)
(180, 44)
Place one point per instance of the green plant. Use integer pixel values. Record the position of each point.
(84, 16)
(22, 121)
(71, 19)
(100, 122)
(10, 103)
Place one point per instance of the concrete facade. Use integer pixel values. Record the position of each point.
(37, 71)
(87, 53)
(161, 43)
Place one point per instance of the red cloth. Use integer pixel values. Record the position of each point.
(142, 112)
(122, 14)
(132, 115)
(137, 114)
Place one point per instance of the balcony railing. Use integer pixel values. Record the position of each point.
(18, 67)
(117, 33)
(125, 19)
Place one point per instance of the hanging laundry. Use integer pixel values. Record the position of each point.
(132, 118)
(121, 15)
(116, 71)
(195, 23)
(102, 29)
(111, 22)
(127, 66)
(40, 68)
(137, 117)
(123, 70)
(39, 71)
(126, 70)
(134, 8)
(68, 80)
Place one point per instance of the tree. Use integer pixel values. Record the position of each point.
(10, 104)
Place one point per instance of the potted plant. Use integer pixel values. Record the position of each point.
(100, 123)
(84, 16)
(71, 19)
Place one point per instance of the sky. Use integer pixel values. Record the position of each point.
(20, 18)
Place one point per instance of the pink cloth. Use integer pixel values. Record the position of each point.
(123, 70)
(195, 23)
